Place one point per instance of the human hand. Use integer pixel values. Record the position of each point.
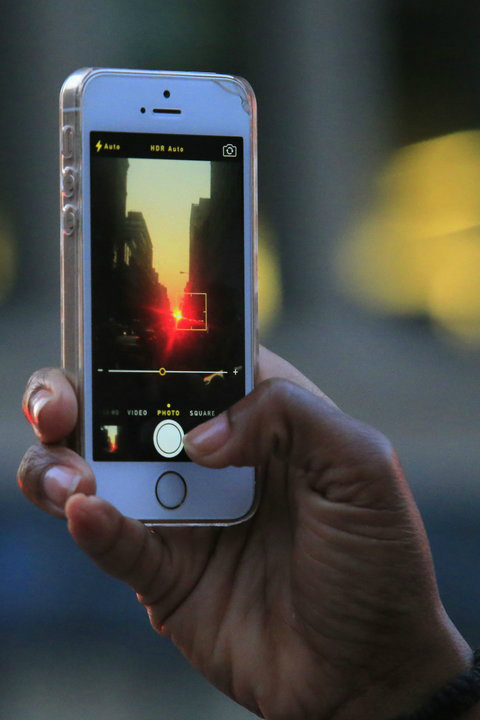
(324, 605)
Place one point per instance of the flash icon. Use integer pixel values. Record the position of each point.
(99, 146)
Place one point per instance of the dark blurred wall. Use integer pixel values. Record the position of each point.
(436, 49)
(320, 81)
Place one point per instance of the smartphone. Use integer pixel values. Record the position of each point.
(158, 277)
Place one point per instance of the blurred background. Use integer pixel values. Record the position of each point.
(369, 194)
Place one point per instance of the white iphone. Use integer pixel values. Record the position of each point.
(158, 205)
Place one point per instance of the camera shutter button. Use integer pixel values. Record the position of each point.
(168, 438)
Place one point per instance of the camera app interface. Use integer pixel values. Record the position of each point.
(167, 268)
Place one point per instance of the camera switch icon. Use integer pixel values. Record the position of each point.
(229, 150)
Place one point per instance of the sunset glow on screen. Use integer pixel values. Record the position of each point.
(165, 192)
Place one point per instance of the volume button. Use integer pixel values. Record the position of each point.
(69, 219)
(68, 182)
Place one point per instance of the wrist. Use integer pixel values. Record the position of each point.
(411, 682)
(459, 698)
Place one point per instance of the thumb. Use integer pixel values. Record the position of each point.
(251, 430)
(343, 459)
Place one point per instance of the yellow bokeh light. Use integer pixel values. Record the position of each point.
(269, 280)
(418, 249)
(7, 258)
(454, 292)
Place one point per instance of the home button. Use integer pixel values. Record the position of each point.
(170, 490)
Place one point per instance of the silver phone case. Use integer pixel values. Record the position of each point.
(72, 240)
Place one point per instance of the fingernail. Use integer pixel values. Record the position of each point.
(59, 482)
(37, 403)
(209, 436)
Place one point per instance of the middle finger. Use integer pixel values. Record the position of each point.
(49, 474)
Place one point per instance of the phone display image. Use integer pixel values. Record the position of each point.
(167, 289)
(158, 269)
(110, 437)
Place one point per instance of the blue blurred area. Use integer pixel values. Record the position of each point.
(56, 580)
(51, 589)
(453, 532)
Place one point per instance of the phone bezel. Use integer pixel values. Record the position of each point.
(211, 105)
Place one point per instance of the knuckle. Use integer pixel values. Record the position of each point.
(38, 459)
(379, 451)
(131, 569)
(276, 391)
(382, 447)
(367, 472)
(276, 403)
(107, 552)
(157, 620)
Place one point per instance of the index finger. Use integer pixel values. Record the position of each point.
(50, 405)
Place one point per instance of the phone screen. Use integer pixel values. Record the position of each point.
(167, 289)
